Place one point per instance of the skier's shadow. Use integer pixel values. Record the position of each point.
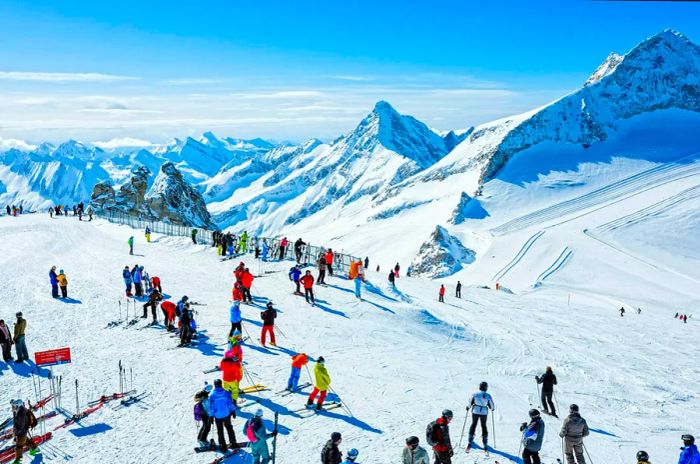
(250, 321)
(377, 291)
(354, 421)
(492, 450)
(331, 310)
(205, 347)
(27, 368)
(69, 300)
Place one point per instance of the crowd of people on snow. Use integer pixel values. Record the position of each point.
(13, 210)
(78, 210)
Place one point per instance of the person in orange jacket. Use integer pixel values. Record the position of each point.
(298, 361)
(237, 292)
(308, 282)
(442, 294)
(168, 308)
(329, 261)
(231, 373)
(247, 281)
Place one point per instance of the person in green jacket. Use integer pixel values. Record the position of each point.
(131, 245)
(322, 384)
(194, 236)
(257, 434)
(243, 241)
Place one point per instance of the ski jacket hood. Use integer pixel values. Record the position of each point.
(574, 428)
(220, 403)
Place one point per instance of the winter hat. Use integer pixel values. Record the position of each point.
(688, 439)
(61, 271)
(483, 386)
(353, 453)
(447, 414)
(16, 403)
(534, 413)
(236, 333)
(259, 412)
(573, 408)
(321, 360)
(217, 383)
(335, 436)
(411, 441)
(19, 314)
(642, 456)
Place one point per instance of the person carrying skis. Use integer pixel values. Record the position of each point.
(397, 268)
(283, 247)
(222, 407)
(480, 404)
(5, 342)
(18, 338)
(148, 234)
(321, 269)
(330, 454)
(53, 278)
(128, 280)
(458, 291)
(548, 381)
(231, 373)
(298, 361)
(438, 436)
(323, 382)
(194, 236)
(63, 283)
(573, 429)
(392, 278)
(689, 451)
(268, 316)
(153, 300)
(413, 453)
(22, 420)
(168, 308)
(329, 261)
(642, 457)
(131, 245)
(297, 249)
(203, 414)
(351, 457)
(441, 294)
(308, 282)
(235, 317)
(533, 435)
(257, 435)
(294, 275)
(247, 282)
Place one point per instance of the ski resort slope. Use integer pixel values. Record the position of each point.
(397, 358)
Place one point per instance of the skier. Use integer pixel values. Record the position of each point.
(458, 292)
(283, 247)
(533, 435)
(414, 454)
(308, 282)
(168, 308)
(323, 382)
(231, 373)
(234, 345)
(689, 451)
(321, 269)
(222, 408)
(441, 296)
(268, 316)
(396, 270)
(63, 283)
(351, 456)
(243, 242)
(53, 278)
(155, 282)
(5, 342)
(642, 457)
(265, 250)
(194, 236)
(22, 420)
(392, 278)
(238, 272)
(330, 454)
(294, 275)
(137, 273)
(237, 293)
(548, 381)
(247, 281)
(90, 212)
(148, 234)
(622, 311)
(185, 325)
(357, 274)
(366, 262)
(153, 300)
(298, 361)
(20, 344)
(297, 249)
(131, 245)
(572, 431)
(480, 403)
(329, 261)
(128, 279)
(235, 317)
(51, 212)
(438, 436)
(257, 434)
(203, 414)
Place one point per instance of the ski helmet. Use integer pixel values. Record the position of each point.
(353, 453)
(259, 412)
(483, 386)
(642, 456)
(688, 439)
(321, 360)
(573, 408)
(447, 414)
(534, 413)
(412, 441)
(335, 436)
(16, 403)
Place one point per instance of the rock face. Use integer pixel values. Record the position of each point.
(442, 255)
(130, 198)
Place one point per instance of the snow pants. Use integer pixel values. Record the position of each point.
(54, 290)
(22, 443)
(321, 276)
(152, 304)
(293, 381)
(235, 326)
(268, 329)
(321, 398)
(441, 298)
(442, 457)
(222, 424)
(458, 293)
(309, 292)
(261, 454)
(572, 448)
(21, 349)
(139, 288)
(232, 388)
(246, 295)
(484, 431)
(204, 430)
(127, 282)
(282, 250)
(6, 351)
(547, 403)
(531, 457)
(358, 287)
(64, 292)
(298, 290)
(330, 268)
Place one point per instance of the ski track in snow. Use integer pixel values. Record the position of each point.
(397, 358)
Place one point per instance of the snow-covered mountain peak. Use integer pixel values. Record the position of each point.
(607, 67)
(73, 149)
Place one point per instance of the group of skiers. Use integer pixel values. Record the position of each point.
(14, 210)
(78, 210)
(682, 317)
(17, 338)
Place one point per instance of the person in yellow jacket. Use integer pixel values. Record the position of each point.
(322, 384)
(63, 283)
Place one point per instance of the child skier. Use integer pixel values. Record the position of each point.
(231, 374)
(298, 361)
(257, 435)
(63, 283)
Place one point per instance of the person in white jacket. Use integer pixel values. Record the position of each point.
(480, 404)
(414, 454)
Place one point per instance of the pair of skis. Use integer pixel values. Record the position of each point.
(8, 454)
(112, 397)
(10, 433)
(311, 409)
(287, 392)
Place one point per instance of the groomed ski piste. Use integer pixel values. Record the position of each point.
(397, 358)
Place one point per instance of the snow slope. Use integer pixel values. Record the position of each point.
(397, 358)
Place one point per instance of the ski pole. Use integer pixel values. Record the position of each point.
(562, 449)
(586, 450)
(539, 395)
(493, 425)
(556, 401)
(77, 403)
(466, 417)
(120, 310)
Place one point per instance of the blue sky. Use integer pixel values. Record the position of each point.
(291, 70)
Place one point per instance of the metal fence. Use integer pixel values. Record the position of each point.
(309, 253)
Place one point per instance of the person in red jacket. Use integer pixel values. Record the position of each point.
(231, 373)
(442, 294)
(238, 272)
(308, 281)
(155, 280)
(247, 281)
(168, 308)
(237, 292)
(440, 438)
(298, 361)
(329, 261)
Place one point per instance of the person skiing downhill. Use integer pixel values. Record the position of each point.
(308, 282)
(294, 275)
(257, 435)
(53, 279)
(480, 404)
(548, 381)
(573, 429)
(689, 451)
(533, 435)
(268, 316)
(413, 453)
(298, 361)
(642, 457)
(222, 407)
(21, 423)
(441, 294)
(438, 436)
(330, 454)
(323, 382)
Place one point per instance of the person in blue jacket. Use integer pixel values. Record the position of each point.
(533, 435)
(137, 272)
(265, 250)
(235, 315)
(295, 275)
(222, 408)
(689, 451)
(53, 277)
(126, 274)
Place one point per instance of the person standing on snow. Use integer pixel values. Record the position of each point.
(243, 242)
(131, 245)
(297, 249)
(53, 278)
(573, 429)
(202, 413)
(235, 317)
(185, 325)
(294, 275)
(257, 435)
(548, 381)
(533, 435)
(153, 300)
(237, 293)
(622, 311)
(359, 278)
(20, 344)
(413, 453)
(480, 403)
(63, 283)
(222, 407)
(231, 373)
(137, 273)
(321, 269)
(283, 247)
(21, 423)
(247, 281)
(268, 316)
(689, 451)
(366, 262)
(265, 250)
(148, 234)
(298, 361)
(308, 282)
(397, 268)
(323, 382)
(458, 291)
(329, 261)
(441, 295)
(51, 212)
(330, 454)
(5, 342)
(392, 278)
(194, 236)
(128, 279)
(438, 436)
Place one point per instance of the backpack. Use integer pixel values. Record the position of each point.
(249, 432)
(431, 433)
(31, 419)
(198, 411)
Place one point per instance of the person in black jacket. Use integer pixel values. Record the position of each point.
(5, 342)
(297, 249)
(153, 300)
(185, 329)
(21, 425)
(330, 453)
(268, 316)
(548, 381)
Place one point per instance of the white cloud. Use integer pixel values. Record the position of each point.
(123, 142)
(194, 81)
(352, 78)
(61, 77)
(7, 144)
(282, 94)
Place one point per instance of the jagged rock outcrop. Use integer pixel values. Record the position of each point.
(131, 195)
(442, 255)
(103, 195)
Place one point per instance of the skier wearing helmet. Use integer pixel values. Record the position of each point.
(480, 403)
(414, 454)
(533, 435)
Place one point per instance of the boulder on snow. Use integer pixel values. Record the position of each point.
(442, 255)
